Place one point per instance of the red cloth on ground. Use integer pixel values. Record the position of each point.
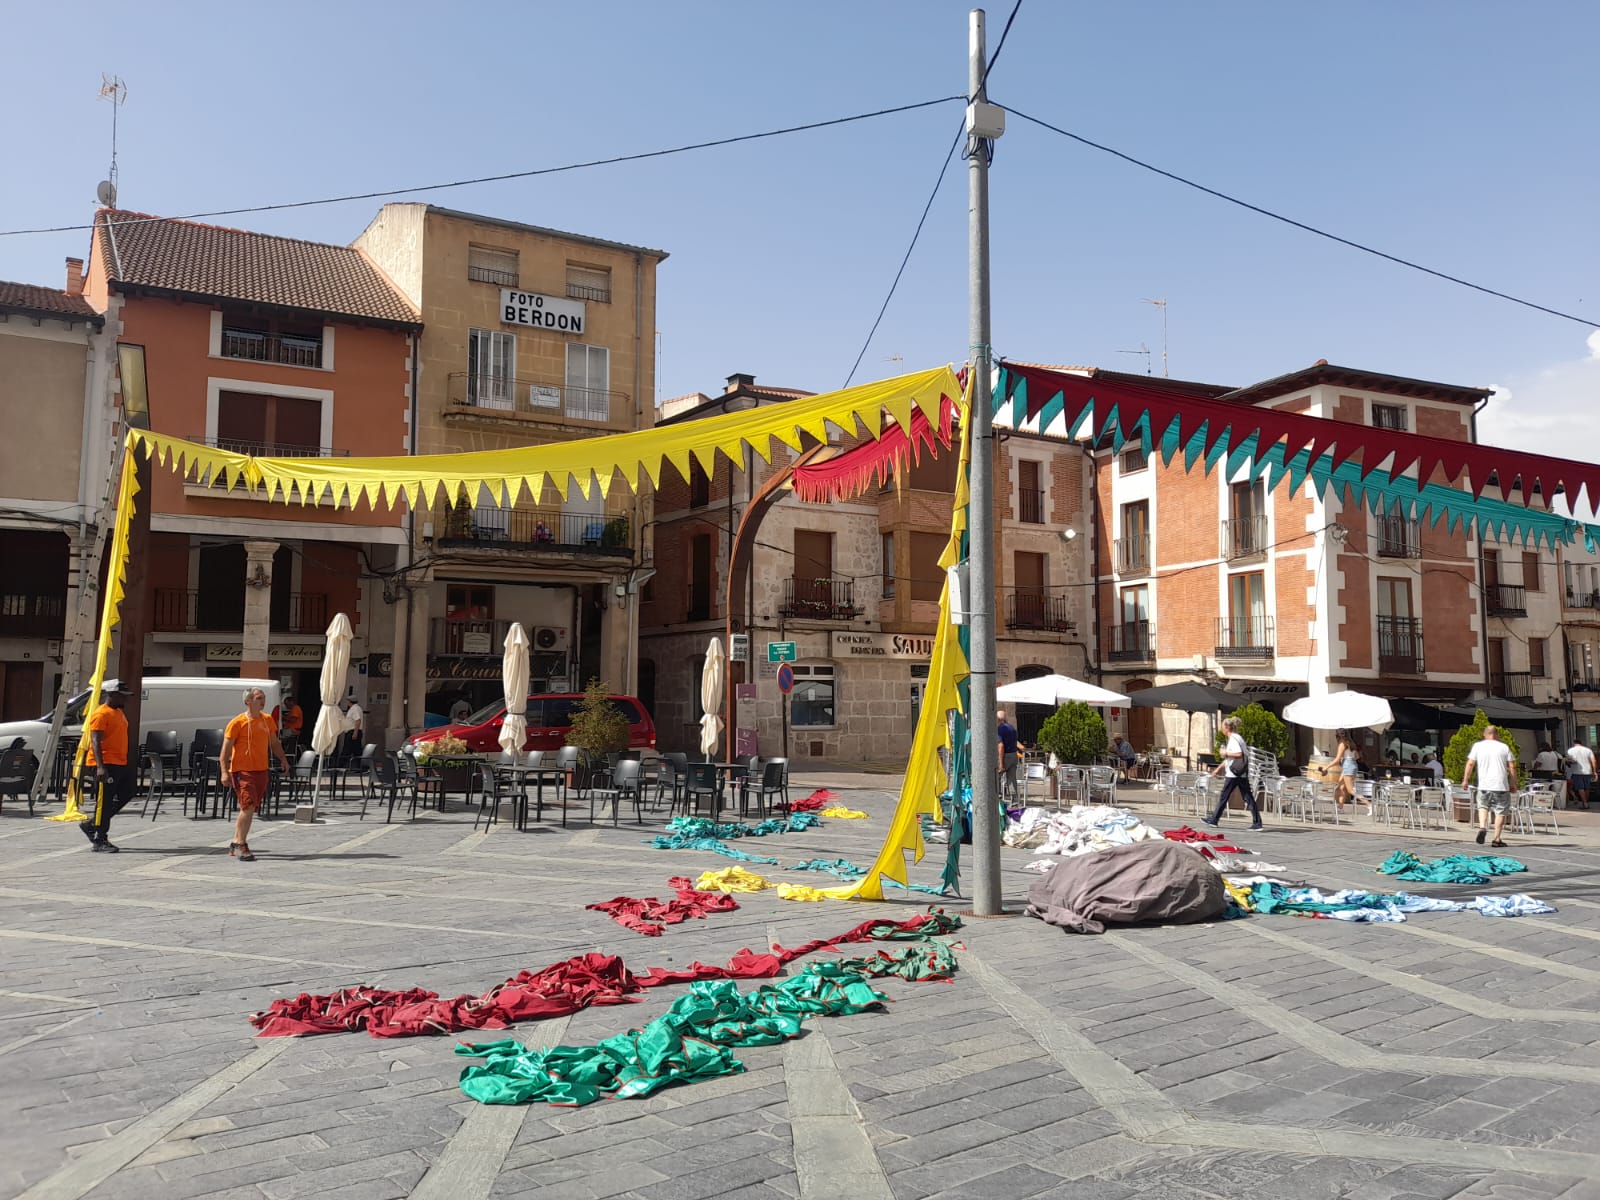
(559, 989)
(650, 916)
(1190, 835)
(815, 802)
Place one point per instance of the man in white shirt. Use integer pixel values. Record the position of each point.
(351, 723)
(1547, 759)
(1582, 777)
(1497, 776)
(1434, 765)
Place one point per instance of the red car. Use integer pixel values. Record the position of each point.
(549, 722)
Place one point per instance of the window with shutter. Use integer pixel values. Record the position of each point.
(588, 390)
(488, 265)
(589, 283)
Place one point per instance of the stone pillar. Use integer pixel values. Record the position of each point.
(253, 661)
(616, 647)
(414, 712)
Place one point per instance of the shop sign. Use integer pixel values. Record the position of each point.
(455, 666)
(226, 652)
(1267, 689)
(541, 312)
(850, 644)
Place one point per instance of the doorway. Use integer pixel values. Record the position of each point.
(1141, 721)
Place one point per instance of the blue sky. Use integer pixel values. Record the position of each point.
(1458, 134)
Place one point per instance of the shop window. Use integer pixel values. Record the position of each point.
(813, 703)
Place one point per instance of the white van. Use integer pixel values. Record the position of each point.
(167, 702)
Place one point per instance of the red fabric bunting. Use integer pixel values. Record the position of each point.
(650, 916)
(1186, 834)
(874, 461)
(559, 989)
(817, 801)
(1465, 464)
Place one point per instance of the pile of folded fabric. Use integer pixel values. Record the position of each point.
(1077, 830)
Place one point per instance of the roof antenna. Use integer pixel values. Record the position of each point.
(1162, 305)
(1144, 350)
(113, 89)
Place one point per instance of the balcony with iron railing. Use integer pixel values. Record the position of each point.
(271, 449)
(1577, 599)
(1244, 537)
(1130, 641)
(535, 529)
(1030, 506)
(1512, 685)
(820, 599)
(288, 349)
(1040, 611)
(1399, 537)
(499, 395)
(1132, 555)
(32, 614)
(179, 610)
(1400, 646)
(584, 291)
(1245, 638)
(1506, 600)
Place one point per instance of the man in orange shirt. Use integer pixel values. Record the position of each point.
(294, 718)
(114, 779)
(249, 738)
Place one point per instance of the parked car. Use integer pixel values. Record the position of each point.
(176, 703)
(549, 721)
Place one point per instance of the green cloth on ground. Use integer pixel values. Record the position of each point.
(690, 1041)
(705, 827)
(845, 869)
(1457, 868)
(681, 841)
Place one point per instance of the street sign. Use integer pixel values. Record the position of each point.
(739, 647)
(786, 677)
(781, 652)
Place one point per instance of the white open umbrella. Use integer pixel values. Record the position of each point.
(335, 668)
(1341, 710)
(514, 677)
(711, 697)
(1056, 690)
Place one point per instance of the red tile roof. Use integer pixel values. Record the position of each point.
(35, 300)
(216, 263)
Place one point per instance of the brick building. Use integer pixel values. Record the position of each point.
(269, 346)
(56, 369)
(531, 336)
(855, 586)
(1278, 594)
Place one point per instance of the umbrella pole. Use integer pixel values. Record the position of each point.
(316, 787)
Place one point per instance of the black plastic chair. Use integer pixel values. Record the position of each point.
(783, 786)
(494, 787)
(773, 783)
(18, 769)
(703, 781)
(625, 785)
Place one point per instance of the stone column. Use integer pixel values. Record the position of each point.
(617, 658)
(253, 661)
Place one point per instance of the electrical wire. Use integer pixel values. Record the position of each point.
(528, 174)
(928, 207)
(1301, 225)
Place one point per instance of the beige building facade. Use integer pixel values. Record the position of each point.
(57, 371)
(531, 336)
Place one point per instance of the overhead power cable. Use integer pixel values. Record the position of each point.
(1312, 229)
(928, 207)
(528, 174)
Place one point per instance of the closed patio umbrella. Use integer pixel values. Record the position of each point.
(335, 668)
(711, 676)
(514, 678)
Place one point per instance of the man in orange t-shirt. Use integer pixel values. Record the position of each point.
(114, 779)
(249, 738)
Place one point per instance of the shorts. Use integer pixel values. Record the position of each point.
(1581, 783)
(1498, 803)
(250, 788)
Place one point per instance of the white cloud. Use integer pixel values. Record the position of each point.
(1550, 411)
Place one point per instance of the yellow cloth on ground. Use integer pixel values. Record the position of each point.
(802, 891)
(732, 879)
(843, 813)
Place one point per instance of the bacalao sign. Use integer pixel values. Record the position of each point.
(541, 312)
(881, 645)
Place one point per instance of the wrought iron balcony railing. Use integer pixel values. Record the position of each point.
(820, 599)
(178, 610)
(1400, 646)
(1130, 641)
(1038, 610)
(536, 397)
(1244, 537)
(290, 349)
(1132, 555)
(1247, 637)
(30, 614)
(1030, 506)
(536, 529)
(1399, 537)
(1512, 685)
(1506, 600)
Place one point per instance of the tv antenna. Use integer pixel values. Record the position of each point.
(1162, 305)
(1144, 350)
(113, 89)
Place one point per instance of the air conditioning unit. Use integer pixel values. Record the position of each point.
(549, 639)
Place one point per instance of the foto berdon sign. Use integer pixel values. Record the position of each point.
(541, 312)
(880, 645)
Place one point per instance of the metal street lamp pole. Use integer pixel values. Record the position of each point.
(984, 123)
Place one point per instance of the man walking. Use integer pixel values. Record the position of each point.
(113, 777)
(1497, 776)
(1008, 748)
(1582, 777)
(249, 738)
(1235, 768)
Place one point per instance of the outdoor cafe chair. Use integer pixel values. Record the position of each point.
(496, 786)
(1103, 785)
(1070, 784)
(18, 768)
(703, 781)
(1531, 803)
(770, 784)
(625, 785)
(1427, 803)
(675, 767)
(1034, 771)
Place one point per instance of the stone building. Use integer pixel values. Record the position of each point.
(855, 587)
(531, 336)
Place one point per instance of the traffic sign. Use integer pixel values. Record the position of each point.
(786, 677)
(781, 652)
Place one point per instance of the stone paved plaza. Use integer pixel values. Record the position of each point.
(1452, 1056)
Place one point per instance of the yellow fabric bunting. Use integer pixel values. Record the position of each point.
(843, 813)
(732, 879)
(801, 891)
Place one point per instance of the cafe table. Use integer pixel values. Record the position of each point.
(538, 775)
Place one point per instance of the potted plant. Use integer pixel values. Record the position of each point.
(615, 534)
(598, 727)
(445, 754)
(1074, 733)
